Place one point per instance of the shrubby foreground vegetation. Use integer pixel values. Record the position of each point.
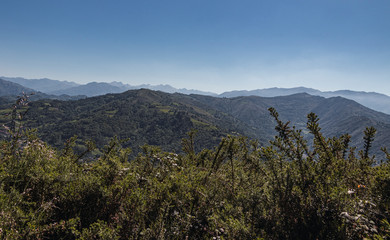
(238, 190)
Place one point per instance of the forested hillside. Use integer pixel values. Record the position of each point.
(338, 115)
(141, 116)
(162, 119)
(237, 189)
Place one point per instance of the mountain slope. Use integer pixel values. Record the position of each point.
(90, 89)
(142, 116)
(376, 101)
(96, 89)
(10, 91)
(373, 100)
(56, 87)
(157, 118)
(337, 115)
(8, 88)
(270, 92)
(42, 85)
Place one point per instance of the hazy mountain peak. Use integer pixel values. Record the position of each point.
(377, 101)
(8, 88)
(43, 84)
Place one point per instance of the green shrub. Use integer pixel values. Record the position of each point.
(289, 189)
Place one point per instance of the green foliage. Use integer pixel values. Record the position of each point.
(143, 117)
(290, 189)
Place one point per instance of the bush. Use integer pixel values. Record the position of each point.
(290, 189)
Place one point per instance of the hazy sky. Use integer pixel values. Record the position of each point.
(214, 45)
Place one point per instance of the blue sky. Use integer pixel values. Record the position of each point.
(213, 45)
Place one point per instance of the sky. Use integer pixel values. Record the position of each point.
(209, 45)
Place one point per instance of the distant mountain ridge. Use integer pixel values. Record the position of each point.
(44, 85)
(9, 91)
(8, 88)
(373, 100)
(92, 89)
(377, 101)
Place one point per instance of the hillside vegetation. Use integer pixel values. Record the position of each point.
(162, 119)
(234, 190)
(141, 116)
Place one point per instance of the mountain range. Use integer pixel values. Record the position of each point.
(56, 87)
(10, 90)
(44, 85)
(376, 101)
(163, 119)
